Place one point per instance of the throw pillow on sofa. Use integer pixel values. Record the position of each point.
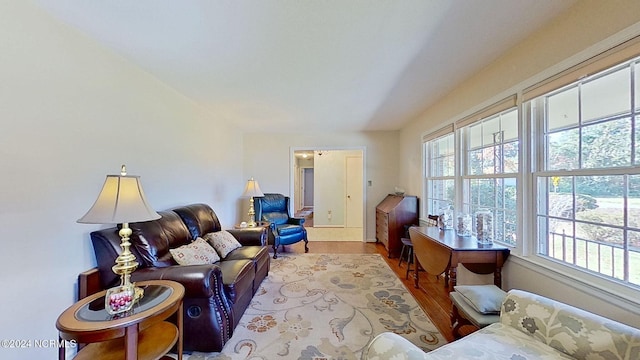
(198, 252)
(223, 242)
(485, 299)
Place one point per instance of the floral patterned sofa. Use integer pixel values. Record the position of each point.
(530, 327)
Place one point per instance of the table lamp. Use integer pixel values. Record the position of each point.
(121, 201)
(251, 190)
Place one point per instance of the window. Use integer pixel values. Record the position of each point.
(440, 157)
(491, 170)
(559, 169)
(587, 176)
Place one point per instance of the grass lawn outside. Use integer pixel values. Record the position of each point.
(603, 255)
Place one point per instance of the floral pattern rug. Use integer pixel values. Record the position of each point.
(326, 306)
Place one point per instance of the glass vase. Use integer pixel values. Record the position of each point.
(446, 219)
(119, 299)
(463, 226)
(484, 227)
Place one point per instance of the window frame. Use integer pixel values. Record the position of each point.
(537, 112)
(610, 52)
(428, 160)
(466, 176)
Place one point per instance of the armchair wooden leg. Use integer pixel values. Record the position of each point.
(275, 251)
(306, 248)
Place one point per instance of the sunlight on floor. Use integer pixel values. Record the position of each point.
(334, 234)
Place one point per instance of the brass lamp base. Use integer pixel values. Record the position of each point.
(252, 214)
(121, 298)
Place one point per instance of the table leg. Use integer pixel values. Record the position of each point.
(180, 332)
(417, 267)
(131, 342)
(497, 277)
(453, 277)
(62, 350)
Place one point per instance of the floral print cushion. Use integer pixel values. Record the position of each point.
(531, 327)
(575, 332)
(494, 342)
(390, 345)
(223, 242)
(497, 342)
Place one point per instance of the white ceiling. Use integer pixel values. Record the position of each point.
(314, 65)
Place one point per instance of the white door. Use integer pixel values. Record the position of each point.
(354, 192)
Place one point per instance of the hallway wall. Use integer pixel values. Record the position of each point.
(267, 159)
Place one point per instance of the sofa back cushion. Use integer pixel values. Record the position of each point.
(200, 219)
(575, 332)
(153, 239)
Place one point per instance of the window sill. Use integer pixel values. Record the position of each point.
(617, 294)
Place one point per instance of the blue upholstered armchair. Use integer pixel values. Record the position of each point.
(285, 230)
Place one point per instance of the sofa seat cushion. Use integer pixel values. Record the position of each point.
(258, 254)
(237, 278)
(287, 229)
(260, 257)
(498, 342)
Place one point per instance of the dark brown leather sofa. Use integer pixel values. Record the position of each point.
(216, 295)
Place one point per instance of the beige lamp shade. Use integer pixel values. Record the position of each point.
(252, 189)
(120, 201)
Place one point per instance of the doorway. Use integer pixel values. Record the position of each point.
(328, 187)
(354, 200)
(307, 188)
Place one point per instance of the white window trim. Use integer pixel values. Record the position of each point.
(525, 253)
(426, 140)
(605, 288)
(602, 288)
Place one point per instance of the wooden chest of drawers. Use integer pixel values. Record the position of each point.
(392, 215)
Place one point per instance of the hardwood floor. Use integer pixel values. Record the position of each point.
(432, 296)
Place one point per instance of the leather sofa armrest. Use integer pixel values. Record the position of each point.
(199, 281)
(256, 236)
(296, 221)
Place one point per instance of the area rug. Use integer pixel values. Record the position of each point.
(326, 306)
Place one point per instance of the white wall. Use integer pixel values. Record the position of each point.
(580, 29)
(70, 113)
(267, 159)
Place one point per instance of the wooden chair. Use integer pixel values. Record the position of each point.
(407, 245)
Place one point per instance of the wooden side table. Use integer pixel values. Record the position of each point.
(142, 334)
(259, 224)
(442, 252)
(248, 235)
